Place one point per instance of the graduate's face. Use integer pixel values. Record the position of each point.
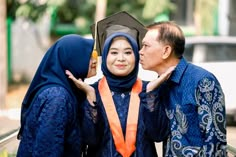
(92, 71)
(120, 58)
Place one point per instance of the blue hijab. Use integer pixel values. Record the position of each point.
(71, 52)
(120, 83)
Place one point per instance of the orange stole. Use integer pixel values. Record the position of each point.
(124, 146)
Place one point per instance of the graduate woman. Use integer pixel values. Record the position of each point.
(121, 128)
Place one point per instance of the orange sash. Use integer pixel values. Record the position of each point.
(124, 146)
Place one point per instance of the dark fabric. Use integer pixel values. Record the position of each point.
(116, 83)
(51, 127)
(148, 130)
(103, 144)
(118, 22)
(71, 52)
(59, 57)
(195, 106)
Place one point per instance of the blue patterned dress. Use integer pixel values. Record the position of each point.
(51, 127)
(195, 107)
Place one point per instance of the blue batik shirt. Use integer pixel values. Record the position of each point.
(195, 107)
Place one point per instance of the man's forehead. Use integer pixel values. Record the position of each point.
(151, 35)
(152, 32)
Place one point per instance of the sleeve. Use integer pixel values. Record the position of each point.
(52, 123)
(155, 118)
(91, 120)
(89, 123)
(211, 115)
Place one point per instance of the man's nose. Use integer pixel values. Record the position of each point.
(141, 51)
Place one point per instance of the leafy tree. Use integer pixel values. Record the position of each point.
(205, 17)
(79, 13)
(155, 8)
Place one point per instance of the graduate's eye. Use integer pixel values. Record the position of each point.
(113, 52)
(128, 52)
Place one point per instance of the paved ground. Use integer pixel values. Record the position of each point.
(10, 116)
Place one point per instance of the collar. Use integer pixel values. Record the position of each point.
(179, 71)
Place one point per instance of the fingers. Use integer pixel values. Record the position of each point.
(80, 84)
(70, 75)
(171, 69)
(155, 83)
(168, 72)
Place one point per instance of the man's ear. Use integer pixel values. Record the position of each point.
(167, 52)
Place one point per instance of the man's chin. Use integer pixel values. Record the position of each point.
(144, 67)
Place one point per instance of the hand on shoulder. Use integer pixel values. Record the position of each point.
(163, 77)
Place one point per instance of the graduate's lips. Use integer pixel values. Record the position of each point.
(120, 66)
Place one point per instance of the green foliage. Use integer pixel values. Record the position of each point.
(12, 6)
(31, 11)
(4, 153)
(154, 8)
(206, 15)
(28, 9)
(76, 15)
(134, 7)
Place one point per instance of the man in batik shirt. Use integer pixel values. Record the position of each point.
(192, 95)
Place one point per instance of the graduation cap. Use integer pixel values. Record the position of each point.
(118, 22)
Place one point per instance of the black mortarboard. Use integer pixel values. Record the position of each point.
(118, 22)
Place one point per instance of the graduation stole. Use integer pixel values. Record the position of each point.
(124, 146)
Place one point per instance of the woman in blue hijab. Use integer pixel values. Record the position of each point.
(119, 110)
(50, 109)
(120, 107)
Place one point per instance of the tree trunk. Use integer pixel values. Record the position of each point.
(3, 55)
